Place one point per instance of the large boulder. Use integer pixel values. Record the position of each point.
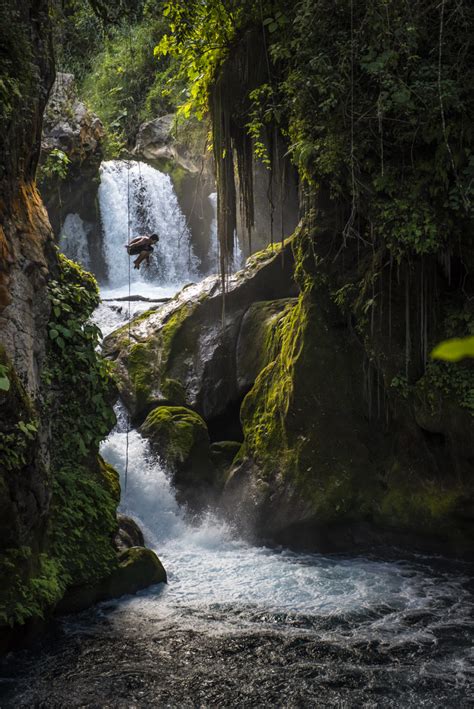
(181, 439)
(156, 141)
(334, 456)
(137, 568)
(184, 353)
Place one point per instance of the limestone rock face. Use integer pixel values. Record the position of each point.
(26, 264)
(156, 141)
(185, 351)
(71, 127)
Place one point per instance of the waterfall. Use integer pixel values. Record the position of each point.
(213, 253)
(154, 208)
(73, 240)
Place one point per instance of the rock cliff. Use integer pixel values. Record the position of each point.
(58, 499)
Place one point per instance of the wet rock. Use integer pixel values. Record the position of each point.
(138, 568)
(254, 346)
(185, 351)
(223, 454)
(181, 439)
(128, 534)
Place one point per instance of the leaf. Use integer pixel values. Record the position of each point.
(454, 350)
(4, 384)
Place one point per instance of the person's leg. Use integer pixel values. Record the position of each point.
(144, 256)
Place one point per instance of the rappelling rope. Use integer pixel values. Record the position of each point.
(130, 49)
(129, 315)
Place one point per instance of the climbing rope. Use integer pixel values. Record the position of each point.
(129, 316)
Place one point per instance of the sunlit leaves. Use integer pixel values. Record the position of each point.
(454, 350)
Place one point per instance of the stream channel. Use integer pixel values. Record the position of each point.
(240, 625)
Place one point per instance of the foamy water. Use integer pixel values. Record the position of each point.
(213, 573)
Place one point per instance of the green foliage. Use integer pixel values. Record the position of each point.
(127, 84)
(15, 445)
(85, 491)
(82, 524)
(200, 35)
(55, 167)
(78, 35)
(454, 350)
(453, 380)
(376, 109)
(4, 380)
(74, 365)
(21, 599)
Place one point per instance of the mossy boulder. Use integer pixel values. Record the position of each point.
(181, 439)
(319, 467)
(257, 338)
(184, 352)
(137, 568)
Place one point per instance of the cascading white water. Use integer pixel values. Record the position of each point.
(210, 569)
(145, 194)
(73, 240)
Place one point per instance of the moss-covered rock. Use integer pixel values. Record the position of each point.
(317, 463)
(256, 343)
(137, 568)
(184, 353)
(181, 439)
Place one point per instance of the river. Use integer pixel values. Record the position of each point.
(242, 625)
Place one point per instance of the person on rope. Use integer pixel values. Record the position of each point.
(142, 247)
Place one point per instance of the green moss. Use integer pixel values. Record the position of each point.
(264, 254)
(30, 584)
(173, 391)
(429, 507)
(140, 366)
(145, 364)
(224, 453)
(265, 407)
(177, 431)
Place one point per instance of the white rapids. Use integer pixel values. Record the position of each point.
(211, 570)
